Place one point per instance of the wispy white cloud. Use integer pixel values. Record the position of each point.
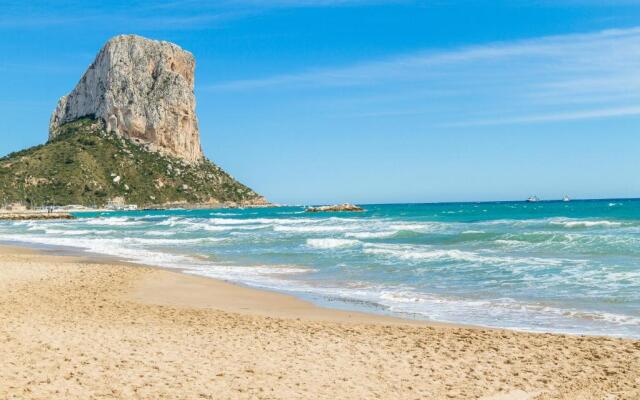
(569, 51)
(554, 117)
(114, 19)
(537, 80)
(163, 15)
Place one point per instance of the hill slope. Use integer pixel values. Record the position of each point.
(85, 165)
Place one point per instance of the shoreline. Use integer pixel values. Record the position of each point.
(177, 287)
(304, 306)
(82, 327)
(34, 216)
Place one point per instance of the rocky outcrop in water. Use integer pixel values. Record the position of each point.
(141, 89)
(336, 208)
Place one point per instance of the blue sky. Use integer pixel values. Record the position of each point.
(370, 101)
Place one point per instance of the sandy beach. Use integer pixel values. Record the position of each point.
(74, 328)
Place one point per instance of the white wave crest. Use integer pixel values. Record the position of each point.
(160, 233)
(404, 252)
(330, 243)
(253, 221)
(158, 241)
(70, 232)
(370, 235)
(226, 271)
(417, 227)
(197, 224)
(113, 221)
(312, 229)
(223, 214)
(586, 223)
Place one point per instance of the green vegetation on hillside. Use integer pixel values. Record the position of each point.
(85, 165)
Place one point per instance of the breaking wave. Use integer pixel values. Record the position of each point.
(331, 243)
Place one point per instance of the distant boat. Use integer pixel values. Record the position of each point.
(566, 198)
(533, 199)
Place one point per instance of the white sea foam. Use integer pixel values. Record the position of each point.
(422, 253)
(260, 270)
(223, 214)
(230, 221)
(586, 223)
(417, 227)
(312, 228)
(67, 230)
(331, 243)
(160, 233)
(112, 247)
(508, 242)
(70, 232)
(159, 241)
(196, 224)
(252, 221)
(207, 227)
(370, 235)
(40, 228)
(499, 310)
(411, 253)
(171, 221)
(113, 221)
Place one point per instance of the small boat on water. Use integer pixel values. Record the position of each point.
(566, 198)
(533, 199)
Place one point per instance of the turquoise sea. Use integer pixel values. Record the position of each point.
(569, 267)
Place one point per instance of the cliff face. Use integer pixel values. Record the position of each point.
(142, 90)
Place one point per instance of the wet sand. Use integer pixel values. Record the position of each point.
(73, 328)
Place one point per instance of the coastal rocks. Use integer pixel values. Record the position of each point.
(34, 215)
(336, 208)
(141, 89)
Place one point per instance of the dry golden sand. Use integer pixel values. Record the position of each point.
(72, 329)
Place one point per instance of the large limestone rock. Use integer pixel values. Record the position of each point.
(141, 89)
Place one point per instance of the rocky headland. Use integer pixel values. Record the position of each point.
(128, 134)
